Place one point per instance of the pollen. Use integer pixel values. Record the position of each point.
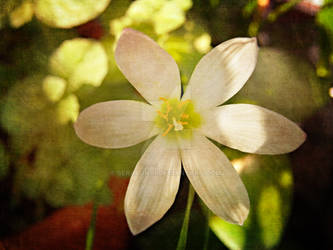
(176, 117)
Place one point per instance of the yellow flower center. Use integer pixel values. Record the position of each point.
(177, 118)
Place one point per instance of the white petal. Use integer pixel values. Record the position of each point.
(215, 180)
(150, 69)
(153, 185)
(222, 72)
(252, 129)
(116, 124)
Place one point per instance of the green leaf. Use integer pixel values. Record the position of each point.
(269, 182)
(184, 4)
(54, 87)
(6, 7)
(24, 108)
(143, 10)
(68, 109)
(325, 17)
(153, 17)
(168, 18)
(64, 171)
(52, 163)
(22, 14)
(232, 236)
(80, 61)
(68, 13)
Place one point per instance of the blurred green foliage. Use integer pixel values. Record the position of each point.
(39, 109)
(269, 183)
(50, 70)
(4, 161)
(279, 76)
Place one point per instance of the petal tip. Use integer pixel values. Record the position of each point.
(240, 212)
(253, 39)
(302, 138)
(137, 223)
(128, 30)
(240, 217)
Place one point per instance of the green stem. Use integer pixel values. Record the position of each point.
(91, 231)
(183, 233)
(283, 8)
(206, 236)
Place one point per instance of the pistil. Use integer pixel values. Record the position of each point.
(177, 117)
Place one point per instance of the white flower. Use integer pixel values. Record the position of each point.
(182, 125)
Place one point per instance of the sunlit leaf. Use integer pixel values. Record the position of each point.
(232, 236)
(68, 109)
(324, 18)
(155, 18)
(184, 4)
(68, 13)
(268, 180)
(270, 203)
(202, 43)
(22, 14)
(142, 10)
(168, 18)
(6, 7)
(80, 61)
(54, 87)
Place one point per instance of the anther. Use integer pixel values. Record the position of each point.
(185, 116)
(163, 99)
(168, 130)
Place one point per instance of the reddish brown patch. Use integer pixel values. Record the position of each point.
(67, 227)
(92, 29)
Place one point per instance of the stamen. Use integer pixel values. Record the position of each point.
(168, 130)
(185, 116)
(168, 108)
(183, 103)
(183, 123)
(164, 116)
(163, 99)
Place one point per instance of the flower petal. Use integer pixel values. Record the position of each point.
(252, 129)
(153, 185)
(150, 69)
(215, 180)
(222, 72)
(116, 124)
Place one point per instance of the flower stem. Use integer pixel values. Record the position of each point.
(206, 235)
(91, 231)
(183, 233)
